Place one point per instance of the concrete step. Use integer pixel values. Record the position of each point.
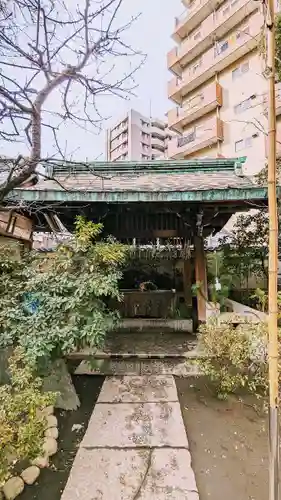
(155, 324)
(120, 344)
(135, 354)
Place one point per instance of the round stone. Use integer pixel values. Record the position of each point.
(30, 474)
(13, 487)
(50, 446)
(52, 421)
(49, 410)
(41, 462)
(52, 432)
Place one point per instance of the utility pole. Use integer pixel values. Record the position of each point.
(273, 260)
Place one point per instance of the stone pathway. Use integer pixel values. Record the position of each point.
(135, 447)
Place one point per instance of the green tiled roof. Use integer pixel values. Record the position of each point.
(166, 180)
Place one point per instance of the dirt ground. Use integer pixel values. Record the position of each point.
(228, 443)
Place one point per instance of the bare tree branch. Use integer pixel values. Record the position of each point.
(64, 49)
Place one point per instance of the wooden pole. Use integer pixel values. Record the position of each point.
(201, 277)
(273, 261)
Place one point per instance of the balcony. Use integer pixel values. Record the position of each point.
(158, 144)
(215, 26)
(214, 61)
(158, 132)
(196, 138)
(158, 124)
(196, 12)
(198, 105)
(122, 127)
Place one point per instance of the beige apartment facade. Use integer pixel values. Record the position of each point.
(219, 86)
(137, 138)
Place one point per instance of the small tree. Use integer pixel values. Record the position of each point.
(54, 306)
(246, 253)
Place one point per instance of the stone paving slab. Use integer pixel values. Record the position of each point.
(109, 367)
(129, 425)
(168, 367)
(139, 367)
(145, 389)
(131, 474)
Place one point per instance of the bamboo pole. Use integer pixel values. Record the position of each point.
(273, 261)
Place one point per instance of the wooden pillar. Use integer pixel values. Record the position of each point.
(187, 282)
(201, 277)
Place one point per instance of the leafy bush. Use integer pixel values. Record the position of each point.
(234, 358)
(58, 304)
(21, 425)
(261, 300)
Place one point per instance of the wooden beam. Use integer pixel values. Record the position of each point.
(201, 277)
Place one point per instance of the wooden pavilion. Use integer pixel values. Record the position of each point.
(144, 202)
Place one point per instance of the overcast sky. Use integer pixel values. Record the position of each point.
(151, 34)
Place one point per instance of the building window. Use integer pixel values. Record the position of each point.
(242, 33)
(196, 65)
(226, 10)
(242, 106)
(244, 144)
(144, 135)
(196, 33)
(221, 47)
(240, 70)
(145, 157)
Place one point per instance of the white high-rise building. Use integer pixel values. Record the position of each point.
(136, 137)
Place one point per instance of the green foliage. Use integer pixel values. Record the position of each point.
(58, 304)
(236, 358)
(21, 424)
(261, 299)
(215, 296)
(218, 296)
(246, 254)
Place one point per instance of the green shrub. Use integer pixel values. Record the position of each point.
(235, 358)
(56, 305)
(21, 425)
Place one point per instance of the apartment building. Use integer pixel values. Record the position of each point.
(219, 88)
(136, 137)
